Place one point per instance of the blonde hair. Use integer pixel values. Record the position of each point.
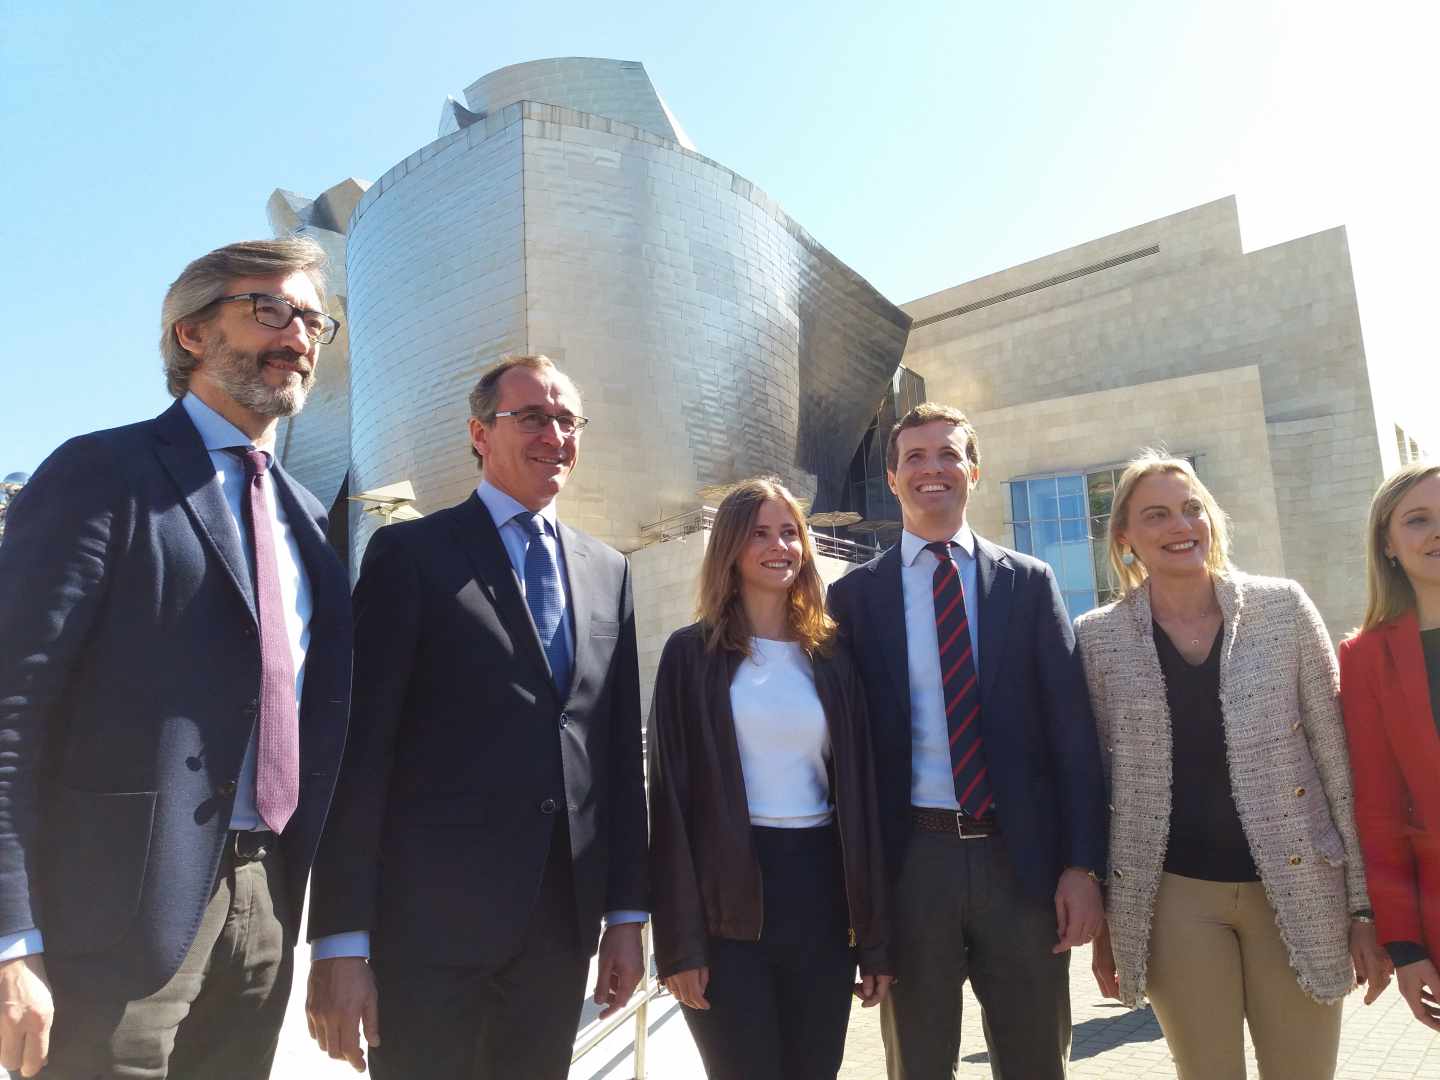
(719, 608)
(1388, 592)
(1147, 463)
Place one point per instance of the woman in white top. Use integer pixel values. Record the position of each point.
(765, 844)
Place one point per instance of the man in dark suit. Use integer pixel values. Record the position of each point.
(991, 796)
(174, 684)
(491, 805)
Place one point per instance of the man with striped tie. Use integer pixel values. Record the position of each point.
(992, 801)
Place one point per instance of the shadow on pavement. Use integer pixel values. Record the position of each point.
(1093, 1037)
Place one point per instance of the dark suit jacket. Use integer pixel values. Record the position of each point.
(129, 687)
(462, 750)
(1039, 734)
(1395, 759)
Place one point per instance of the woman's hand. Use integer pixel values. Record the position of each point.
(872, 989)
(1372, 963)
(1420, 987)
(1102, 964)
(688, 987)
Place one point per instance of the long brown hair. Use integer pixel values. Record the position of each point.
(719, 608)
(1388, 592)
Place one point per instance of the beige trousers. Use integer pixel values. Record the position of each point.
(1216, 963)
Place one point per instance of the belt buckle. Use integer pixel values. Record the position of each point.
(244, 855)
(962, 823)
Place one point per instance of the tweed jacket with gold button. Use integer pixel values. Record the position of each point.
(1289, 773)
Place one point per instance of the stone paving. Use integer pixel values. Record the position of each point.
(1381, 1042)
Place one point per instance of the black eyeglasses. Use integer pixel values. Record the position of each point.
(277, 314)
(534, 421)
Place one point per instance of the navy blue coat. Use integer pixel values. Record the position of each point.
(1039, 733)
(129, 684)
(462, 749)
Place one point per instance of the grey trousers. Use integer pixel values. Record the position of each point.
(960, 915)
(218, 1016)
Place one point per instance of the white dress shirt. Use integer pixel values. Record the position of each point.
(931, 780)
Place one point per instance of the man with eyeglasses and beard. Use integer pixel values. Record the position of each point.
(491, 805)
(174, 688)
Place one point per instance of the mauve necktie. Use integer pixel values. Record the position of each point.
(277, 759)
(959, 685)
(543, 594)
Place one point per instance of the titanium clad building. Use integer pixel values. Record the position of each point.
(712, 337)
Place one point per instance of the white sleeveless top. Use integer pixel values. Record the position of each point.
(784, 740)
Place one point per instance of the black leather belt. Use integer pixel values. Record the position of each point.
(952, 823)
(250, 845)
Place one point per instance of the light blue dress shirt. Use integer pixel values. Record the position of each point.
(931, 781)
(217, 433)
(503, 508)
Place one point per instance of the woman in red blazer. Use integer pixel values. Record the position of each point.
(1390, 689)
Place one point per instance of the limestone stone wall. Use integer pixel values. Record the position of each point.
(1160, 302)
(1217, 417)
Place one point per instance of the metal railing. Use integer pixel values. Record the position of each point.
(595, 1032)
(679, 526)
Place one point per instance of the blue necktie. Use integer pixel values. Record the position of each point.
(544, 595)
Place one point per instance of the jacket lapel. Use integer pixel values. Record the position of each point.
(1402, 643)
(574, 557)
(181, 452)
(996, 579)
(887, 602)
(479, 536)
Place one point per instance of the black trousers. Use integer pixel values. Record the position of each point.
(779, 1006)
(218, 1016)
(514, 1022)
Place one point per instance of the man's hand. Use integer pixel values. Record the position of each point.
(1102, 964)
(1420, 987)
(872, 989)
(341, 997)
(1079, 911)
(621, 964)
(688, 987)
(26, 1014)
(1372, 963)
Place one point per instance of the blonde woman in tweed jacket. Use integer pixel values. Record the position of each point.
(1236, 891)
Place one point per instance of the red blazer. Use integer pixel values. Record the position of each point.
(1395, 756)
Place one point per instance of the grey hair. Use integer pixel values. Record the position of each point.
(208, 278)
(485, 398)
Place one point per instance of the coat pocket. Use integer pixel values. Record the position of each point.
(98, 849)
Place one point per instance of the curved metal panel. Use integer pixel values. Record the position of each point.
(618, 89)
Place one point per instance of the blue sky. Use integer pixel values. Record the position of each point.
(925, 143)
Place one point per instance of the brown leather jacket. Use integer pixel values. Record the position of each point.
(705, 875)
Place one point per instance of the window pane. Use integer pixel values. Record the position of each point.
(1047, 542)
(1077, 572)
(1102, 491)
(1075, 529)
(1077, 603)
(1072, 495)
(1023, 542)
(1019, 504)
(1099, 529)
(1044, 502)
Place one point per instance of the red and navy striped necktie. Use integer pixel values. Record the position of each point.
(959, 686)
